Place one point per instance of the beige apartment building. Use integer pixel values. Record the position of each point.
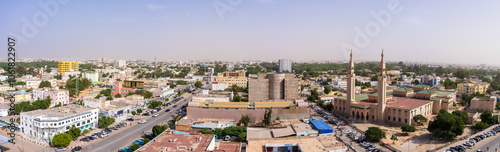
(471, 88)
(231, 78)
(483, 103)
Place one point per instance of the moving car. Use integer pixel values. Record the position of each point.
(155, 115)
(60, 149)
(142, 121)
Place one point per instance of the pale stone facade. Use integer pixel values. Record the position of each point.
(483, 103)
(231, 78)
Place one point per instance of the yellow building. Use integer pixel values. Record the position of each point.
(6, 87)
(471, 88)
(22, 97)
(67, 66)
(231, 78)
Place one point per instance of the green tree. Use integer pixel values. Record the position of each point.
(243, 136)
(117, 96)
(98, 96)
(146, 140)
(74, 132)
(86, 131)
(267, 117)
(62, 139)
(237, 98)
(462, 114)
(105, 121)
(374, 133)
(329, 106)
(106, 92)
(139, 111)
(45, 83)
(488, 118)
(198, 84)
(408, 128)
(420, 119)
(327, 90)
(157, 130)
(109, 98)
(133, 113)
(446, 125)
(245, 119)
(135, 147)
(480, 126)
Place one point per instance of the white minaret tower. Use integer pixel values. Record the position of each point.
(382, 84)
(351, 81)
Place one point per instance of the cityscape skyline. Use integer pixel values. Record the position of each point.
(301, 31)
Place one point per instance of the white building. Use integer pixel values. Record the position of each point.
(219, 86)
(57, 95)
(120, 64)
(96, 103)
(167, 92)
(43, 124)
(34, 83)
(285, 65)
(4, 110)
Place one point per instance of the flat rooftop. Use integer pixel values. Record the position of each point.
(407, 103)
(306, 143)
(178, 143)
(59, 112)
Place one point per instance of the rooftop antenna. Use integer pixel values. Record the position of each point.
(155, 68)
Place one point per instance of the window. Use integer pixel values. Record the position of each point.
(393, 118)
(399, 119)
(406, 120)
(389, 118)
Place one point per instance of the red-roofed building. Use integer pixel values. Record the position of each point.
(180, 143)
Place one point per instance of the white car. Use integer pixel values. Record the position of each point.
(155, 115)
(142, 121)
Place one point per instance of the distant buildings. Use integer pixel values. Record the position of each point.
(430, 80)
(483, 103)
(120, 64)
(285, 65)
(471, 88)
(92, 76)
(67, 66)
(44, 124)
(35, 83)
(233, 78)
(56, 95)
(273, 87)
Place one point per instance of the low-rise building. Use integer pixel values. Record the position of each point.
(483, 103)
(219, 86)
(180, 141)
(56, 95)
(233, 78)
(34, 83)
(44, 124)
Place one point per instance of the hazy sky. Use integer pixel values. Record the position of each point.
(423, 31)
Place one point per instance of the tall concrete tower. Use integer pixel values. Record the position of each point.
(382, 84)
(351, 81)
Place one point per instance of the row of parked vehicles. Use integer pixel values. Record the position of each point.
(472, 141)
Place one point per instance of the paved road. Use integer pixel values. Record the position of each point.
(127, 135)
(491, 144)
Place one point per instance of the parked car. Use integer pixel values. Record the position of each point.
(142, 122)
(85, 139)
(167, 110)
(130, 119)
(103, 135)
(76, 149)
(175, 106)
(60, 149)
(155, 115)
(146, 114)
(114, 128)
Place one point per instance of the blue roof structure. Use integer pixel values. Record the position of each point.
(205, 126)
(322, 126)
